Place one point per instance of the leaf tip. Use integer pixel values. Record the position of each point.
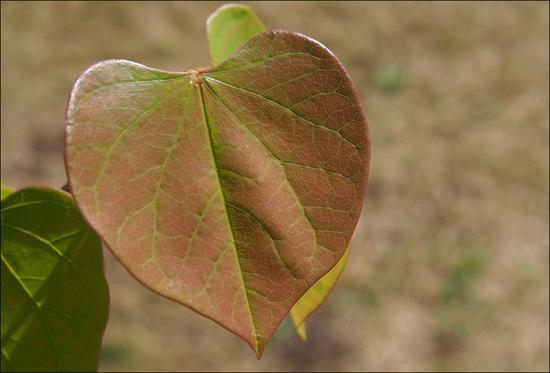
(301, 331)
(259, 350)
(225, 7)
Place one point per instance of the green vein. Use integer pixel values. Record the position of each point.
(144, 114)
(7, 359)
(53, 248)
(270, 235)
(248, 63)
(194, 233)
(253, 135)
(237, 256)
(298, 77)
(244, 90)
(44, 202)
(122, 82)
(37, 305)
(169, 154)
(64, 236)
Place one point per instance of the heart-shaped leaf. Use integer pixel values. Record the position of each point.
(54, 295)
(229, 28)
(316, 295)
(230, 190)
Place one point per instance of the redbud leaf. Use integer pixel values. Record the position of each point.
(230, 190)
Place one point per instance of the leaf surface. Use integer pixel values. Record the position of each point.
(316, 295)
(54, 295)
(230, 190)
(229, 28)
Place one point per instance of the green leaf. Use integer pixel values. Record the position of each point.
(229, 28)
(316, 295)
(54, 295)
(230, 190)
(6, 191)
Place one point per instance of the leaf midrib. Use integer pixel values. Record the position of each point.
(224, 203)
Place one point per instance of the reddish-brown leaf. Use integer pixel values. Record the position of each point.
(230, 190)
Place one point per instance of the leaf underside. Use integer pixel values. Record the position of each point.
(316, 295)
(230, 191)
(54, 295)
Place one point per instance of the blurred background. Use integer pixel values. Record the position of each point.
(449, 262)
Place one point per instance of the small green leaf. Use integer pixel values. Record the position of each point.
(229, 28)
(54, 294)
(316, 295)
(6, 191)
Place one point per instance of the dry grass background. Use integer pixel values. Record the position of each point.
(449, 263)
